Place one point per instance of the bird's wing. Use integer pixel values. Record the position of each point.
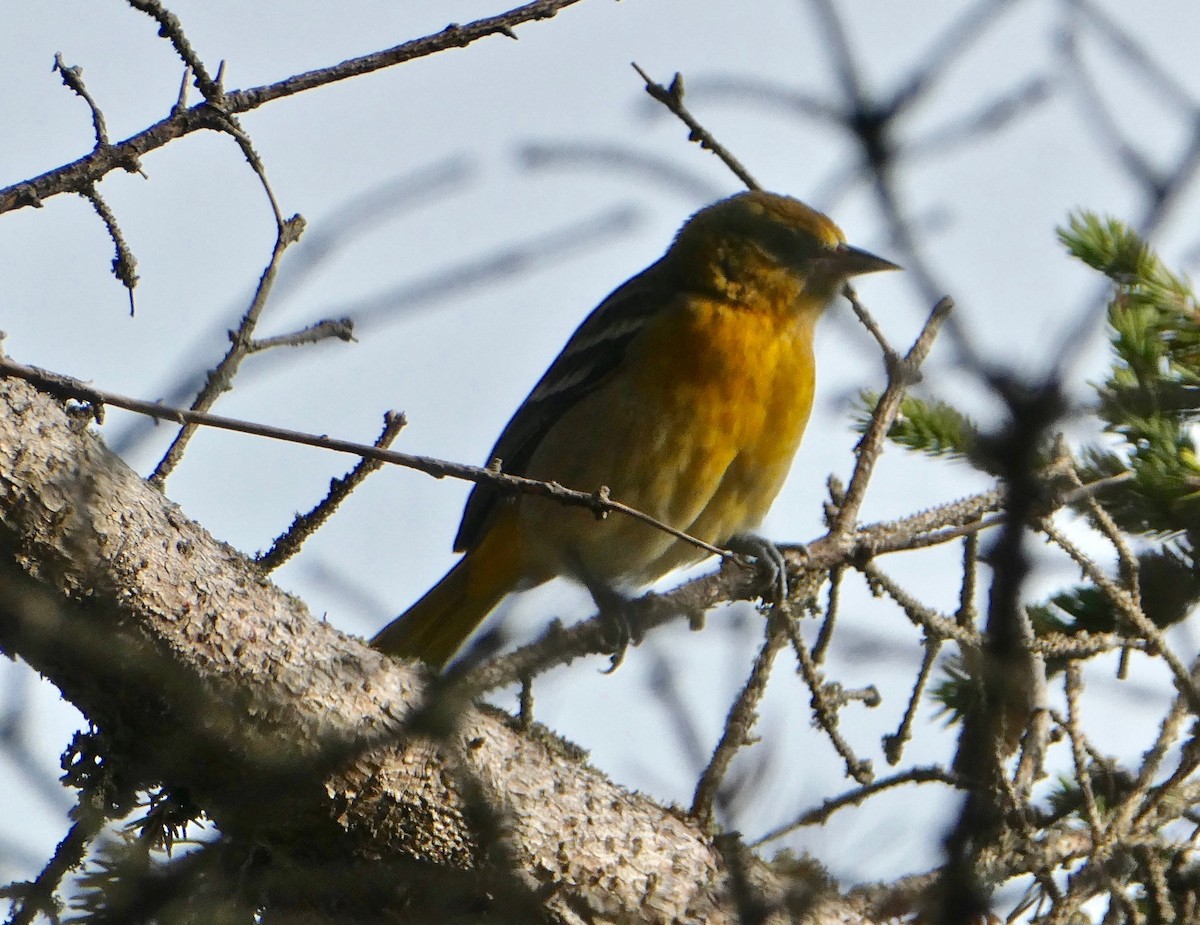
(594, 351)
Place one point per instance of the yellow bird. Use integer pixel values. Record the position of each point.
(685, 392)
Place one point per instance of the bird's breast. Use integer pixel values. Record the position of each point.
(697, 428)
(739, 379)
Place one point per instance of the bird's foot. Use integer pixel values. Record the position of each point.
(621, 623)
(769, 562)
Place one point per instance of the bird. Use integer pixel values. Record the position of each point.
(685, 394)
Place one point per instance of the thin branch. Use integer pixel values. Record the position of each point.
(1162, 188)
(170, 28)
(667, 696)
(1083, 644)
(1149, 64)
(288, 543)
(560, 646)
(893, 745)
(124, 264)
(1073, 685)
(220, 378)
(947, 49)
(181, 100)
(38, 896)
(124, 155)
(287, 231)
(935, 625)
(331, 329)
(1130, 569)
(900, 376)
(965, 512)
(72, 77)
(672, 98)
(967, 612)
(741, 719)
(1126, 608)
(825, 634)
(930, 774)
(1093, 107)
(623, 159)
(989, 118)
(825, 703)
(835, 41)
(510, 260)
(596, 501)
(743, 88)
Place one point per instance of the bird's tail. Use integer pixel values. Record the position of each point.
(437, 625)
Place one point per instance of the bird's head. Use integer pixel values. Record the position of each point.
(750, 232)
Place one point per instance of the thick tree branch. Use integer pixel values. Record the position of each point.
(205, 676)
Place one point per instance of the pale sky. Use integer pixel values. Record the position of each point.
(461, 127)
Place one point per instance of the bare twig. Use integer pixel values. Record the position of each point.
(930, 774)
(305, 525)
(331, 329)
(626, 160)
(170, 28)
(220, 378)
(989, 118)
(1128, 610)
(597, 501)
(741, 719)
(825, 704)
(825, 634)
(1161, 188)
(124, 265)
(36, 897)
(1073, 684)
(900, 376)
(947, 49)
(1126, 558)
(966, 593)
(510, 260)
(72, 77)
(837, 44)
(87, 170)
(672, 98)
(936, 625)
(893, 745)
(1149, 64)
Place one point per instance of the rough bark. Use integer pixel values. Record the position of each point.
(203, 675)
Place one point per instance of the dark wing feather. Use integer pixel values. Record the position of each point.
(590, 356)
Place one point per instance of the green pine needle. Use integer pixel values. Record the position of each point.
(930, 427)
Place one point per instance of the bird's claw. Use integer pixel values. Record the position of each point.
(617, 625)
(769, 562)
(620, 623)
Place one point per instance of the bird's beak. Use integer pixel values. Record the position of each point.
(853, 261)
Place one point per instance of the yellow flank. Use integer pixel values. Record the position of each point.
(686, 392)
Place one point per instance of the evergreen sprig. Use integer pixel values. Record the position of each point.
(1151, 396)
(931, 427)
(1149, 402)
